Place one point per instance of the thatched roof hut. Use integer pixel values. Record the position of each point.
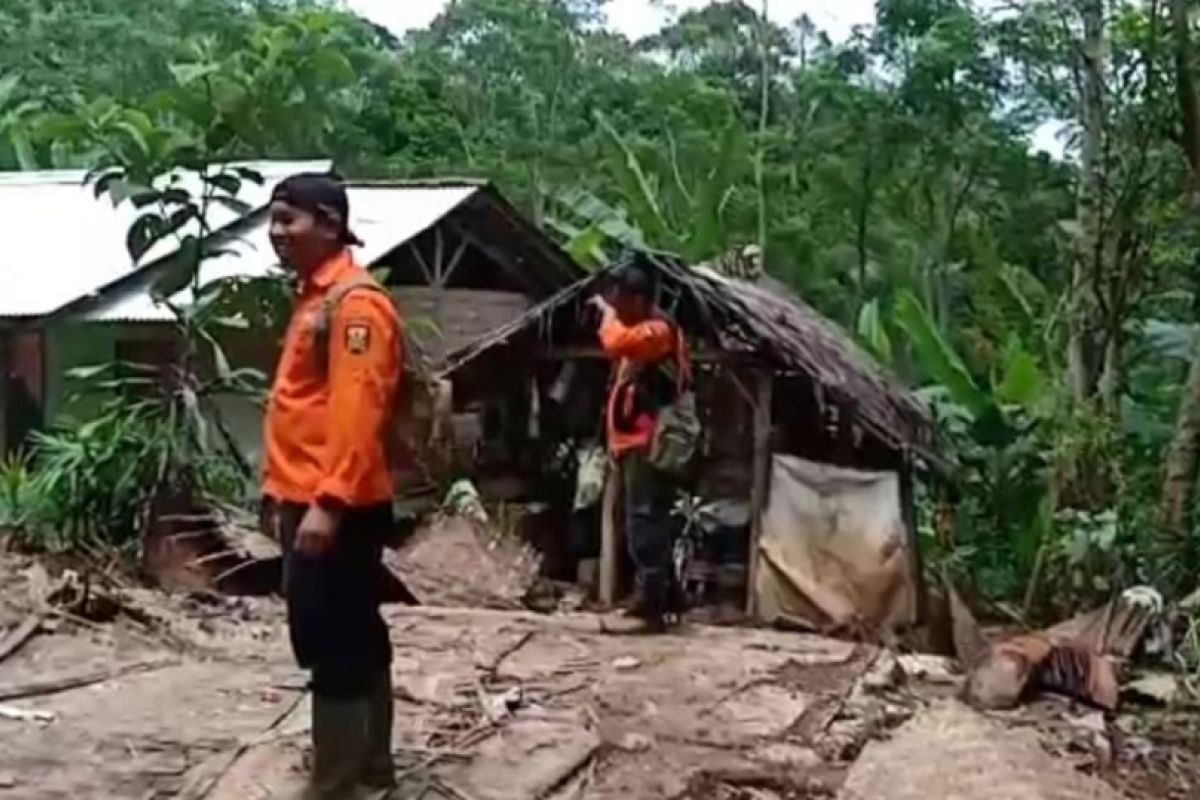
(759, 323)
(774, 380)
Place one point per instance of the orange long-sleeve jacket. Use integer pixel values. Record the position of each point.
(632, 346)
(325, 425)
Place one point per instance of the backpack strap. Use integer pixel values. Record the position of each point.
(323, 325)
(680, 367)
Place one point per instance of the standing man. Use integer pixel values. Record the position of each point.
(643, 344)
(328, 486)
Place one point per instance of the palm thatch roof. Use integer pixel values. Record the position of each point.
(764, 322)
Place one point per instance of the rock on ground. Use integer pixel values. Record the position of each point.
(950, 751)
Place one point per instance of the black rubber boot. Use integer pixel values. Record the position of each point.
(379, 771)
(339, 740)
(655, 597)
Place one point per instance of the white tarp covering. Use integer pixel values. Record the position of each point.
(834, 549)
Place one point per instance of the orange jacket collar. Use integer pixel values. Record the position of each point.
(328, 273)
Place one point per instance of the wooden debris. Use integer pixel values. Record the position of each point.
(1077, 658)
(269, 734)
(968, 639)
(21, 634)
(55, 686)
(26, 715)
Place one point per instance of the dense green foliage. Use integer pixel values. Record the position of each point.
(1044, 306)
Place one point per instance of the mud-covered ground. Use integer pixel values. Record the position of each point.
(196, 697)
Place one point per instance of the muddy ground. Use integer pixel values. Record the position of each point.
(195, 696)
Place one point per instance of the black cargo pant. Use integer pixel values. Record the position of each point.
(333, 600)
(646, 496)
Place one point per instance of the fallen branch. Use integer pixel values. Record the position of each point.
(17, 638)
(44, 688)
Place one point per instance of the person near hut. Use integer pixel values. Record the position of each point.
(646, 349)
(328, 484)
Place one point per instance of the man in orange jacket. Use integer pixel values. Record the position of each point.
(642, 343)
(328, 486)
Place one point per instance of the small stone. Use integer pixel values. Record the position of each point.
(626, 663)
(8, 780)
(929, 669)
(636, 743)
(781, 754)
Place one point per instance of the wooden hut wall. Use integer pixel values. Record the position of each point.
(817, 428)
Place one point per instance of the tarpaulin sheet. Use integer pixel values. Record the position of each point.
(834, 549)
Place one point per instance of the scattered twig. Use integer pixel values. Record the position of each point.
(84, 622)
(267, 736)
(404, 694)
(557, 693)
(742, 687)
(843, 697)
(43, 688)
(17, 638)
(468, 739)
(494, 665)
(450, 789)
(441, 752)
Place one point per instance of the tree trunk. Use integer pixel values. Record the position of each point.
(1179, 481)
(763, 120)
(1089, 245)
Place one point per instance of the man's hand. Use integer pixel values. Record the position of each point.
(316, 533)
(600, 304)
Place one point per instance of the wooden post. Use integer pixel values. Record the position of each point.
(908, 507)
(611, 537)
(5, 346)
(759, 490)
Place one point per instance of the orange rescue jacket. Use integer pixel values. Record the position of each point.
(324, 434)
(632, 347)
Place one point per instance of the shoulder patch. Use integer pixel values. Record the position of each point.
(358, 336)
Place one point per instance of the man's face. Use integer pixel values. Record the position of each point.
(302, 240)
(631, 308)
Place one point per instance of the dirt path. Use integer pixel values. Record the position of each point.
(491, 706)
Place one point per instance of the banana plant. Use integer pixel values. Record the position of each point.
(17, 120)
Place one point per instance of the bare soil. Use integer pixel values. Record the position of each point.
(204, 702)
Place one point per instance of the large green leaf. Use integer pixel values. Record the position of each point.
(1023, 383)
(873, 333)
(939, 361)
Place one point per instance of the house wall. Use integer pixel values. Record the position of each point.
(71, 345)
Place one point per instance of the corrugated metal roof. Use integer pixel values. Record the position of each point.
(383, 217)
(61, 243)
